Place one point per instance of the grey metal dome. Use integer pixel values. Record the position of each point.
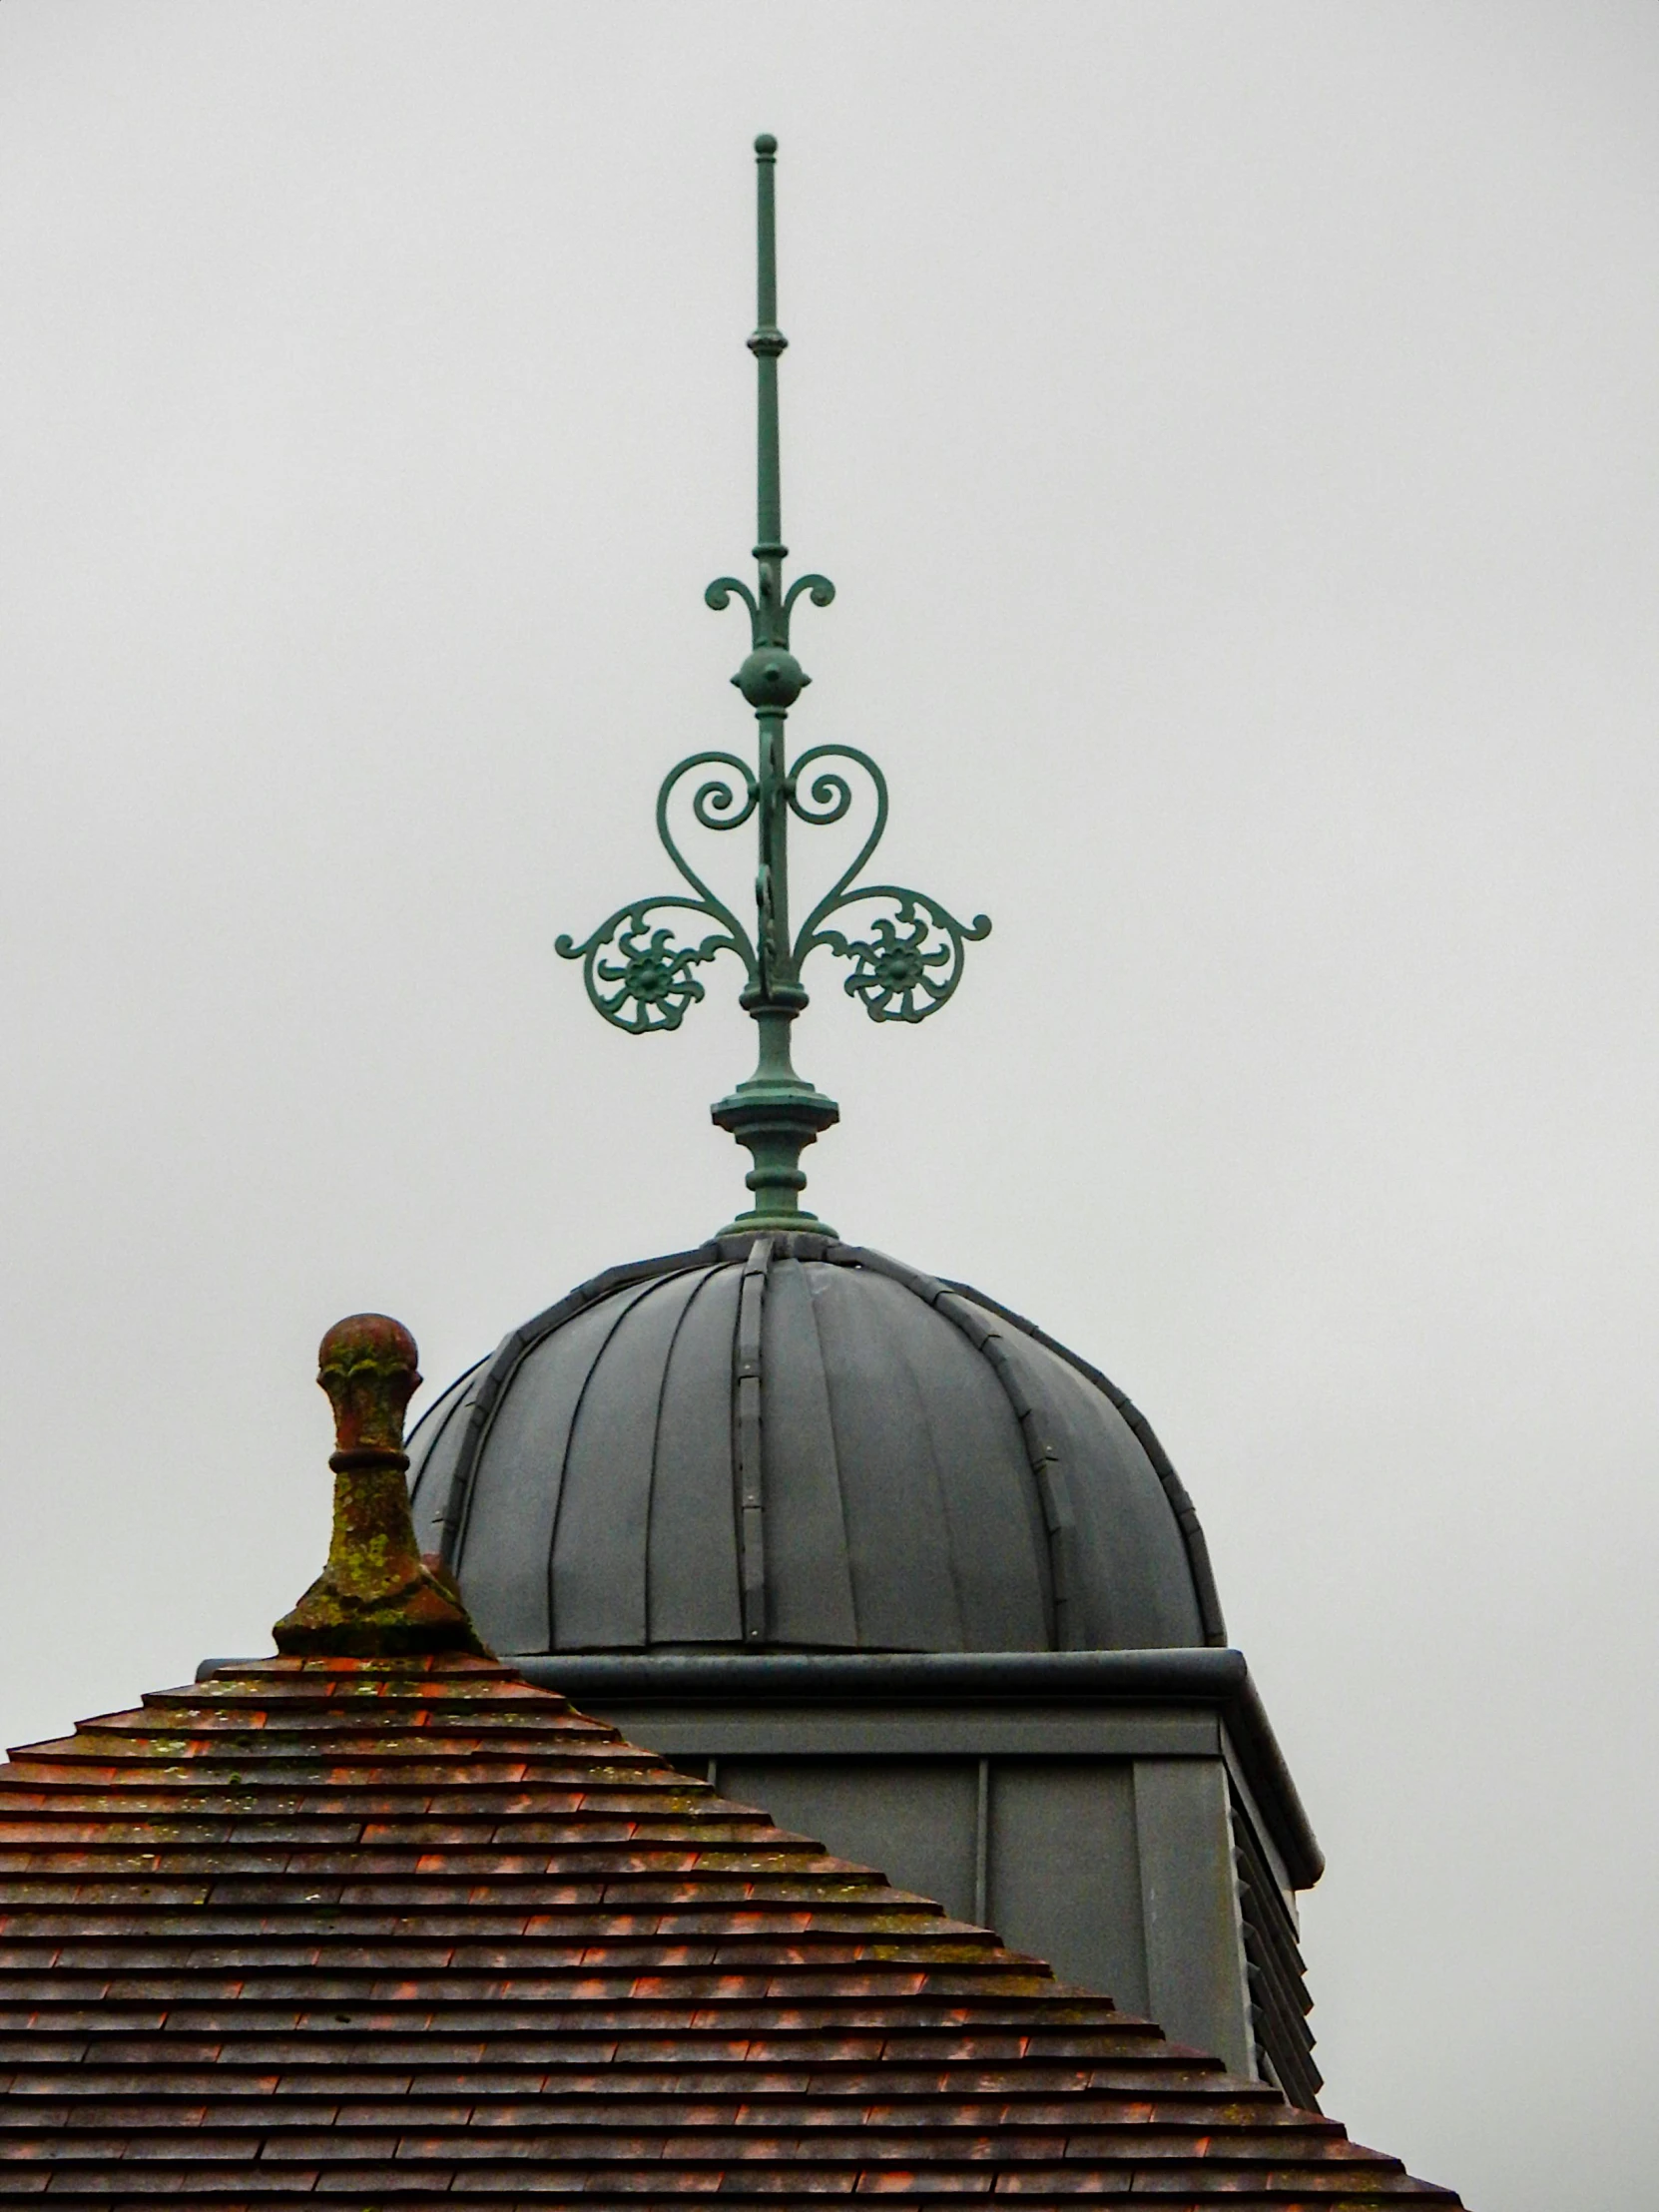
(789, 1442)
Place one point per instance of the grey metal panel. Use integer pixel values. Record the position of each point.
(913, 1820)
(811, 1583)
(992, 1517)
(1181, 1504)
(604, 1510)
(969, 1406)
(1134, 1582)
(433, 1449)
(497, 1372)
(1049, 1494)
(1064, 1871)
(503, 1565)
(902, 1587)
(1200, 1677)
(1197, 1986)
(692, 1552)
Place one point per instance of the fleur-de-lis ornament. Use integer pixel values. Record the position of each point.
(904, 948)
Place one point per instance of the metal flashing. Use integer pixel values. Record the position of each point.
(1219, 1678)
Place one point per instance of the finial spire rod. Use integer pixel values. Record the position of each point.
(766, 344)
(911, 960)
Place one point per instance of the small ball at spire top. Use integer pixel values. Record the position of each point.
(766, 145)
(366, 1364)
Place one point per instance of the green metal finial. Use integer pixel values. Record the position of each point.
(909, 960)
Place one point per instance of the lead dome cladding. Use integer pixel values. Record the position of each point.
(785, 1442)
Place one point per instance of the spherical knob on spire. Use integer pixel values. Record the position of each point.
(369, 1367)
(772, 679)
(377, 1596)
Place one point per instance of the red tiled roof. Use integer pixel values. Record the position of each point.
(405, 1931)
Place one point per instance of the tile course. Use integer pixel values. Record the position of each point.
(409, 1929)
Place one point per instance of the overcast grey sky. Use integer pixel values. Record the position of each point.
(1231, 429)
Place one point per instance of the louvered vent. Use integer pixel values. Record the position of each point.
(1279, 2000)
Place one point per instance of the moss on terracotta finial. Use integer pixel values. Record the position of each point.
(376, 1596)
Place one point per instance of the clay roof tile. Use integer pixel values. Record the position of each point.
(403, 1929)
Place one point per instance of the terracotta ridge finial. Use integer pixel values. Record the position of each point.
(377, 1596)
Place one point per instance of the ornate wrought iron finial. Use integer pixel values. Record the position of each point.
(906, 961)
(377, 1595)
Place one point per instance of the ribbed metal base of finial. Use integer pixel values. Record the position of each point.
(778, 1224)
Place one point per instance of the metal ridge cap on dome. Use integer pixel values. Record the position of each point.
(938, 1291)
(1042, 1456)
(1186, 1512)
(495, 1372)
(1207, 1674)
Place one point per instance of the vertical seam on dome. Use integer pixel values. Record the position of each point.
(481, 1402)
(940, 1479)
(656, 1437)
(747, 1441)
(458, 1394)
(485, 1396)
(605, 1344)
(1042, 1454)
(836, 1457)
(1186, 1513)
